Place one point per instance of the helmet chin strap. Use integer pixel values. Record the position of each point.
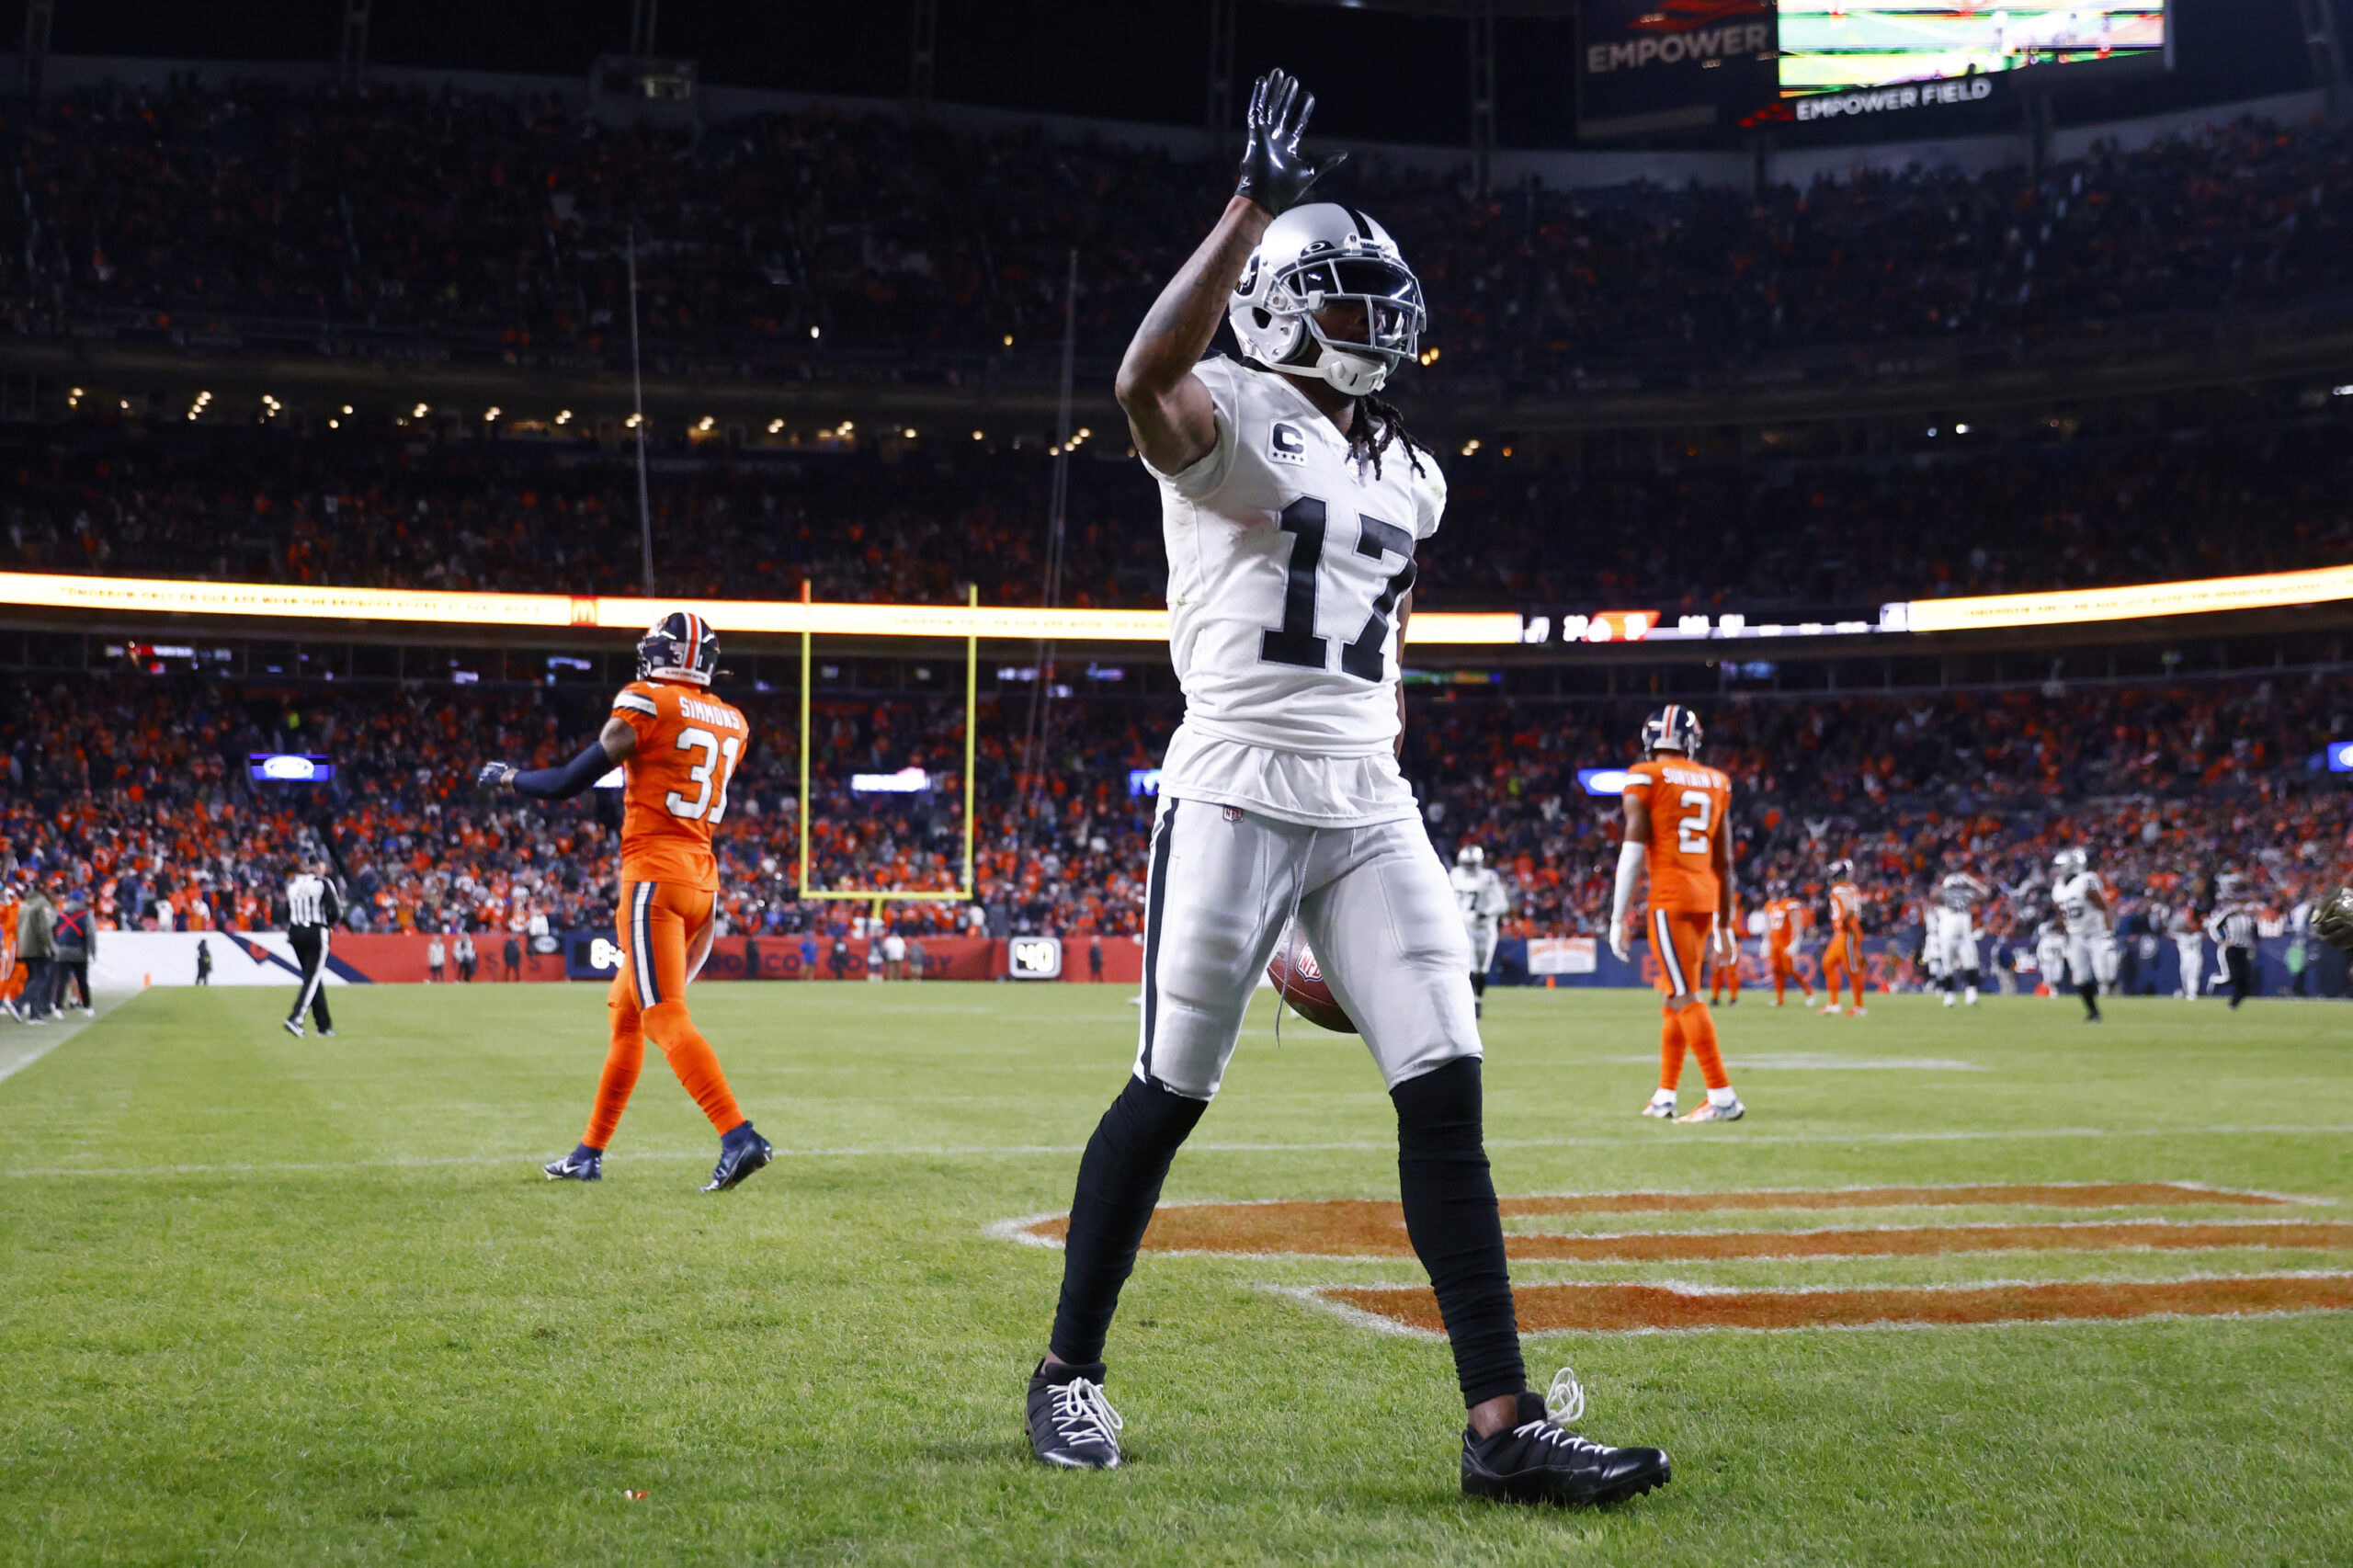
(1352, 375)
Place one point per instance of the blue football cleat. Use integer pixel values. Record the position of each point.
(583, 1163)
(740, 1152)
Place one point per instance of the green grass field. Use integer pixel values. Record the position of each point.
(267, 1302)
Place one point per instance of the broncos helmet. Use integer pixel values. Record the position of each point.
(2069, 863)
(1313, 257)
(1842, 870)
(679, 646)
(1672, 728)
(1471, 855)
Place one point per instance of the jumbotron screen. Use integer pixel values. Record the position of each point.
(1828, 46)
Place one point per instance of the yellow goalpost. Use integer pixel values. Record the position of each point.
(878, 897)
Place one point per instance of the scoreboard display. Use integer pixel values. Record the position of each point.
(1832, 46)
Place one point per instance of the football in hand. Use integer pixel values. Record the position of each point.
(1301, 981)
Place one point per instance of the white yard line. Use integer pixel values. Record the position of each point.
(1022, 1151)
(21, 1045)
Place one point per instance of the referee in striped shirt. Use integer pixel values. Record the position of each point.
(313, 908)
(2231, 929)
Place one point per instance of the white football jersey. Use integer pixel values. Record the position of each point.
(2074, 898)
(1286, 559)
(1479, 893)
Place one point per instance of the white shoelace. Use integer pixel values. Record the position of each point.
(1563, 1402)
(1082, 1413)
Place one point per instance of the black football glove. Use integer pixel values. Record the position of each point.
(2334, 924)
(1273, 173)
(497, 774)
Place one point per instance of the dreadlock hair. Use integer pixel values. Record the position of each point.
(1377, 427)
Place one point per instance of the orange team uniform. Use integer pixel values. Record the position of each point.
(1844, 958)
(12, 973)
(1785, 924)
(688, 743)
(1687, 804)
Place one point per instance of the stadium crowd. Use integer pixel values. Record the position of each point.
(1520, 532)
(132, 791)
(505, 218)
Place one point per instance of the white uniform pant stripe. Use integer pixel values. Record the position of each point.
(1664, 941)
(640, 949)
(311, 981)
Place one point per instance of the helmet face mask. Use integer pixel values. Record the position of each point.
(1471, 855)
(1311, 260)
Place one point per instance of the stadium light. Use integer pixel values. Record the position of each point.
(1610, 781)
(290, 768)
(2340, 756)
(906, 782)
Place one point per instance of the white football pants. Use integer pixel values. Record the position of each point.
(1375, 906)
(2091, 961)
(1952, 950)
(2191, 952)
(1482, 935)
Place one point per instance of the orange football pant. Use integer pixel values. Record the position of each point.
(657, 923)
(1678, 938)
(1784, 964)
(1843, 961)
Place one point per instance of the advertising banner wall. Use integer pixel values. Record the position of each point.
(1652, 66)
(130, 960)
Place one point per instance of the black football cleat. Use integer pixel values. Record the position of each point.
(740, 1152)
(1071, 1425)
(1541, 1460)
(583, 1163)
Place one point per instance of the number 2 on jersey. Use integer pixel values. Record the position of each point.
(1691, 833)
(706, 802)
(1295, 642)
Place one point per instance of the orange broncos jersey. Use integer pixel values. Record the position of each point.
(1785, 922)
(1687, 804)
(688, 743)
(1847, 908)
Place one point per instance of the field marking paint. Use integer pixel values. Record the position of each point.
(1387, 1217)
(1821, 1062)
(32, 1047)
(1675, 1308)
(1020, 1151)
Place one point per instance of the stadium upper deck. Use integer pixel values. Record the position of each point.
(396, 225)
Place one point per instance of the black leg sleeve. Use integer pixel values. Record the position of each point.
(1119, 1183)
(1479, 984)
(1456, 1229)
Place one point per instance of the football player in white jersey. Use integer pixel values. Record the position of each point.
(1480, 894)
(1952, 935)
(1291, 502)
(2051, 955)
(2188, 946)
(2082, 901)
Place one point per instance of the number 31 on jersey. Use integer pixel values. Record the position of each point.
(708, 803)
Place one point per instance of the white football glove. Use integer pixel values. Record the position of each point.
(1617, 943)
(497, 774)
